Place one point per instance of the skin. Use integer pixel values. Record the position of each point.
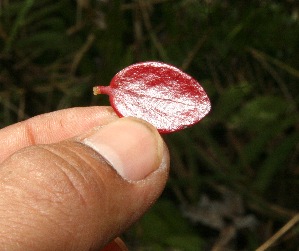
(57, 193)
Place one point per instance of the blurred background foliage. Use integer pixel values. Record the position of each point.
(234, 178)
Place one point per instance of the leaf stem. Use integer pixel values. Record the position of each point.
(96, 90)
(101, 90)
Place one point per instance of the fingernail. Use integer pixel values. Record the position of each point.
(133, 147)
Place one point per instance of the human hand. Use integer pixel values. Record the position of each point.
(61, 191)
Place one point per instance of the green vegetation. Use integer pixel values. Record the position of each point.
(234, 178)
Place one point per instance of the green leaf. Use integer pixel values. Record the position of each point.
(257, 145)
(185, 242)
(259, 113)
(229, 101)
(275, 162)
(159, 225)
(41, 39)
(18, 24)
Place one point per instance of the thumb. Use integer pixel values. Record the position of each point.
(81, 193)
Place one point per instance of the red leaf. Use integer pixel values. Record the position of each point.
(159, 93)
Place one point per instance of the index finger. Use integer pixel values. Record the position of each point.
(52, 127)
